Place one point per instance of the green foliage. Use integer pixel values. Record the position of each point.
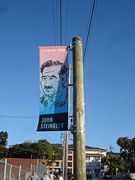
(41, 150)
(127, 150)
(124, 143)
(114, 162)
(3, 138)
(3, 151)
(57, 151)
(44, 148)
(3, 143)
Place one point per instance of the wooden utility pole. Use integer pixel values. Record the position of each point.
(78, 111)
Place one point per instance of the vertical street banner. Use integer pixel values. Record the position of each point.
(53, 88)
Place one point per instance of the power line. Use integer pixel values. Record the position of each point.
(53, 22)
(18, 117)
(90, 27)
(57, 19)
(66, 30)
(60, 22)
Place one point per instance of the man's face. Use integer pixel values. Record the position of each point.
(33, 173)
(50, 80)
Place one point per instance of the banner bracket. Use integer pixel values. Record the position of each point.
(70, 47)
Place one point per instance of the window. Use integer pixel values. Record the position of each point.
(97, 157)
(69, 152)
(69, 164)
(87, 157)
(70, 158)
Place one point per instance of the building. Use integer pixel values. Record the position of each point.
(93, 159)
(55, 166)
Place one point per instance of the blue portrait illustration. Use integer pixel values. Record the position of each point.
(53, 87)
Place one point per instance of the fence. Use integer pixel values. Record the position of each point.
(11, 172)
(41, 169)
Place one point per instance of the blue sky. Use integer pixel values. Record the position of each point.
(108, 67)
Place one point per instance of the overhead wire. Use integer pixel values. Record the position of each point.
(54, 32)
(92, 14)
(56, 36)
(60, 22)
(57, 20)
(66, 20)
(57, 17)
(18, 117)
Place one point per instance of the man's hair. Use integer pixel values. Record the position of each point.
(33, 172)
(51, 63)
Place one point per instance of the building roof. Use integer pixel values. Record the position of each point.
(70, 146)
(88, 147)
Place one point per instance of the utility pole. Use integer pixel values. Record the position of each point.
(63, 154)
(78, 111)
(66, 156)
(66, 132)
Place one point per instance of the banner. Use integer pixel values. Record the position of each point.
(53, 89)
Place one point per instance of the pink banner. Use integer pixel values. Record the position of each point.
(53, 86)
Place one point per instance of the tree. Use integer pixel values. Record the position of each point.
(41, 149)
(114, 162)
(3, 143)
(57, 151)
(3, 138)
(124, 143)
(127, 150)
(44, 149)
